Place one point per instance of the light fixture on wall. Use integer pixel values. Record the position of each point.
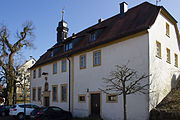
(87, 90)
(45, 75)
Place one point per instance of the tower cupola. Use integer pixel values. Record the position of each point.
(62, 30)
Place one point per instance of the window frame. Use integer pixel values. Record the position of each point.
(167, 29)
(109, 101)
(62, 65)
(94, 65)
(63, 85)
(56, 94)
(55, 72)
(175, 60)
(81, 95)
(82, 67)
(39, 95)
(39, 72)
(34, 74)
(34, 94)
(168, 55)
(158, 55)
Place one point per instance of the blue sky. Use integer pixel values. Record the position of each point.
(79, 14)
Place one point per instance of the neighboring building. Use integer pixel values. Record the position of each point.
(24, 73)
(2, 99)
(146, 35)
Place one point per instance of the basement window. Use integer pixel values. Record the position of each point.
(112, 98)
(82, 98)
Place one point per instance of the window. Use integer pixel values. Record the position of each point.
(54, 68)
(168, 55)
(68, 46)
(97, 58)
(52, 53)
(34, 74)
(167, 29)
(34, 94)
(82, 61)
(63, 67)
(113, 98)
(158, 49)
(176, 60)
(95, 34)
(81, 98)
(54, 93)
(39, 72)
(63, 92)
(39, 94)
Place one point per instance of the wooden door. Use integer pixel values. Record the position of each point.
(46, 101)
(95, 104)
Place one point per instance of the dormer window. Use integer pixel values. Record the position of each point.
(95, 34)
(52, 53)
(68, 46)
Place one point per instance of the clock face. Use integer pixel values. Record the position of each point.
(64, 24)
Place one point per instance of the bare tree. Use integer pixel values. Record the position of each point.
(10, 48)
(125, 81)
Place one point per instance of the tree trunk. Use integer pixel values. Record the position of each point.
(124, 101)
(11, 79)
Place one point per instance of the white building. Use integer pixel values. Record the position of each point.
(146, 35)
(24, 73)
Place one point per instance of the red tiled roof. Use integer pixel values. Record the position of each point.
(136, 19)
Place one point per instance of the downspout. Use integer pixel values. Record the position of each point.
(69, 83)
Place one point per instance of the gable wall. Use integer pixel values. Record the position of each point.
(164, 74)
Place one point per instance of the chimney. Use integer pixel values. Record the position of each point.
(100, 20)
(123, 8)
(73, 34)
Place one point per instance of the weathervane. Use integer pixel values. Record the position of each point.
(63, 13)
(157, 1)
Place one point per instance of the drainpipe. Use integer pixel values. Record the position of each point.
(69, 83)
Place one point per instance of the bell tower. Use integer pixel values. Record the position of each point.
(62, 30)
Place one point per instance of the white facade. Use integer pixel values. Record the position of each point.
(140, 51)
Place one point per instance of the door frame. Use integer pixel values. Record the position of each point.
(95, 92)
(44, 100)
(46, 94)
